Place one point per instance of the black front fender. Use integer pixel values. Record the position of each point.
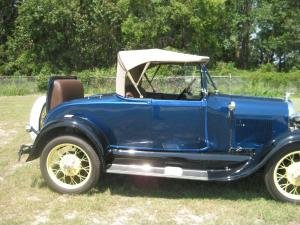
(285, 140)
(74, 125)
(288, 139)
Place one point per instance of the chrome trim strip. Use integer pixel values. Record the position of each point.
(183, 155)
(148, 170)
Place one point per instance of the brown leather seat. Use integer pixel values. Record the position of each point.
(65, 90)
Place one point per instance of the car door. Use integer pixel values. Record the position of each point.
(130, 123)
(179, 125)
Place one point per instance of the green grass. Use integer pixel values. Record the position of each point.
(120, 199)
(15, 86)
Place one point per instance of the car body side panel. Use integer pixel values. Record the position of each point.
(218, 123)
(190, 125)
(258, 120)
(179, 125)
(253, 123)
(127, 123)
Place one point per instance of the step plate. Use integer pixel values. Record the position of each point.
(148, 170)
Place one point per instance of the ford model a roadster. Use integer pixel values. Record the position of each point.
(192, 132)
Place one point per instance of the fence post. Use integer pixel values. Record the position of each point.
(230, 83)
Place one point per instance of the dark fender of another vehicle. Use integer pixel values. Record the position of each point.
(69, 126)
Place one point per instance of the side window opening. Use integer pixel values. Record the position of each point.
(176, 82)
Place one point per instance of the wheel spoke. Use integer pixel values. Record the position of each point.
(73, 180)
(77, 152)
(81, 177)
(280, 176)
(294, 190)
(84, 159)
(56, 171)
(86, 168)
(282, 166)
(63, 178)
(290, 158)
(284, 186)
(54, 163)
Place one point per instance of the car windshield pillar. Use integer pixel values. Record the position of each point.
(206, 79)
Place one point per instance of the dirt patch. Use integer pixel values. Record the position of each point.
(33, 199)
(94, 218)
(41, 218)
(6, 135)
(13, 168)
(124, 216)
(70, 215)
(185, 216)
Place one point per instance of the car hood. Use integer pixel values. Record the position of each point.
(254, 106)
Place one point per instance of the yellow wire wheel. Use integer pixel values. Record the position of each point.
(283, 176)
(286, 175)
(70, 165)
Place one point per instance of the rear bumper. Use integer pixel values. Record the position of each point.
(25, 149)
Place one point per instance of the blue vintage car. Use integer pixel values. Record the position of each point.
(189, 132)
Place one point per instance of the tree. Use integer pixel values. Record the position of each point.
(68, 35)
(194, 26)
(238, 31)
(278, 36)
(8, 13)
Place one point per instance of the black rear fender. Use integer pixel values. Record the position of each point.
(72, 126)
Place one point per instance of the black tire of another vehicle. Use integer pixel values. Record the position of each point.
(64, 167)
(275, 183)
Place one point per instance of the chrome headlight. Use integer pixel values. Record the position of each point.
(291, 108)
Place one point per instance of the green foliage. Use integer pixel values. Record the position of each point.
(223, 68)
(72, 35)
(268, 67)
(279, 32)
(76, 35)
(8, 13)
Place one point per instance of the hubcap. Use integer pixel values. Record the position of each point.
(287, 175)
(293, 173)
(68, 166)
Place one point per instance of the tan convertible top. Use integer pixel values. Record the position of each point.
(134, 63)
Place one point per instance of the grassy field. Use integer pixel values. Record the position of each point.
(120, 199)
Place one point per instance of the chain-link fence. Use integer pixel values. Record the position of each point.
(172, 84)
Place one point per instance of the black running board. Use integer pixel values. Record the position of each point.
(147, 170)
